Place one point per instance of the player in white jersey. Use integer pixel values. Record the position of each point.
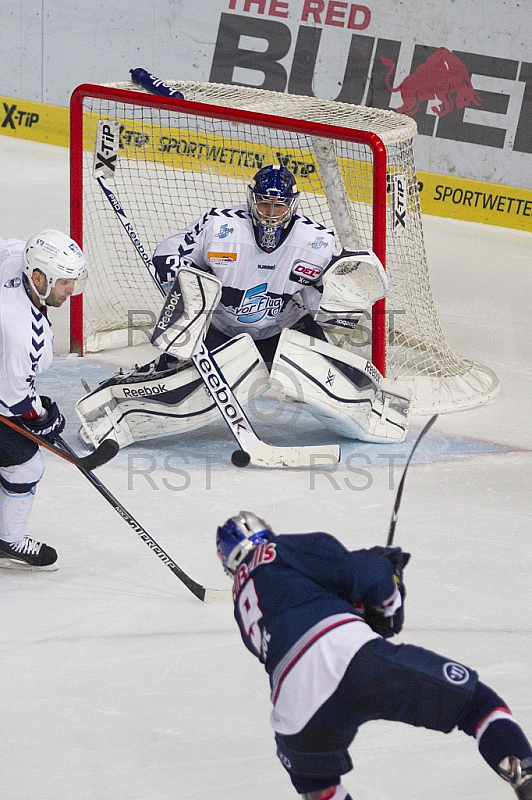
(275, 269)
(41, 273)
(269, 259)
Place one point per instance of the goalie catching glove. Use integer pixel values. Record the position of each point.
(352, 282)
(388, 620)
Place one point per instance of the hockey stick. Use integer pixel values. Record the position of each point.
(399, 494)
(252, 449)
(105, 451)
(217, 596)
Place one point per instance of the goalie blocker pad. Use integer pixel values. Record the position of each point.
(344, 391)
(187, 312)
(147, 405)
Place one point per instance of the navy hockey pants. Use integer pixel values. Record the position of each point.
(14, 447)
(384, 681)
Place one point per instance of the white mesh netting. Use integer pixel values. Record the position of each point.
(174, 166)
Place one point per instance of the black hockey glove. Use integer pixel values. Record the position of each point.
(390, 626)
(49, 427)
(398, 558)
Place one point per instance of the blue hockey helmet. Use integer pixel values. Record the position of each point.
(237, 537)
(272, 200)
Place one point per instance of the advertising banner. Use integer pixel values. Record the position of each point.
(462, 70)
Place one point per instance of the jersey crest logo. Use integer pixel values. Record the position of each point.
(257, 304)
(12, 283)
(224, 231)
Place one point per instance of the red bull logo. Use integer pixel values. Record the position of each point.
(441, 77)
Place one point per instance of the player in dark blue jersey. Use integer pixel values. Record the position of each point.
(318, 616)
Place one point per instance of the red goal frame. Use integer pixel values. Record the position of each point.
(372, 140)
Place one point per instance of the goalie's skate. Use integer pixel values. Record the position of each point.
(28, 554)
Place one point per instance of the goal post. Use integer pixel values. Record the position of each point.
(354, 167)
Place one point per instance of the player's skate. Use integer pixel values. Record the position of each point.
(27, 554)
(518, 774)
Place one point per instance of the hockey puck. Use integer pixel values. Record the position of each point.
(240, 458)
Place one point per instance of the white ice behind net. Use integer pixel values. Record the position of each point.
(173, 167)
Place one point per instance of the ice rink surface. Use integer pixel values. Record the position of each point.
(118, 684)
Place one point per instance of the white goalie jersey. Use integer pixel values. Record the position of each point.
(26, 340)
(262, 293)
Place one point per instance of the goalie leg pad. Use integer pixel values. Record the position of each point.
(141, 405)
(345, 392)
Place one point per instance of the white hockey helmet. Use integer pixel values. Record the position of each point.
(57, 256)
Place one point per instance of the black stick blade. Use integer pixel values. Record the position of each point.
(105, 451)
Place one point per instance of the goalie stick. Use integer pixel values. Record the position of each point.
(216, 596)
(260, 453)
(401, 486)
(105, 451)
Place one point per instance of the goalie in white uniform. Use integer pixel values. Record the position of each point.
(35, 275)
(270, 270)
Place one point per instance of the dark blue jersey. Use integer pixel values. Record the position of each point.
(294, 584)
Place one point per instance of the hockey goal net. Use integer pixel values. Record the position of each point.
(178, 158)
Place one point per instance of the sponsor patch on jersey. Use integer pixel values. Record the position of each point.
(13, 283)
(224, 231)
(304, 273)
(221, 259)
(455, 673)
(318, 242)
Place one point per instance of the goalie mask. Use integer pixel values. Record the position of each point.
(237, 537)
(272, 202)
(58, 257)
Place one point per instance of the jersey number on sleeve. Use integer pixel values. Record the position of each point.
(250, 614)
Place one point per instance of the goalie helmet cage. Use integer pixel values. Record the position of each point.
(177, 159)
